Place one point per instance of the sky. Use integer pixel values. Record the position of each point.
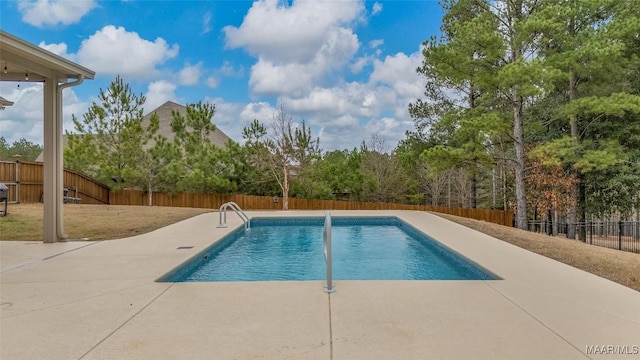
(347, 68)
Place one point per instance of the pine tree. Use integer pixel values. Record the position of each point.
(587, 46)
(201, 167)
(109, 140)
(487, 56)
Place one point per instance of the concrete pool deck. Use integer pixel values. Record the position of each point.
(99, 300)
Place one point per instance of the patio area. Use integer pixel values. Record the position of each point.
(99, 300)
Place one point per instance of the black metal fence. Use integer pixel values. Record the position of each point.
(620, 235)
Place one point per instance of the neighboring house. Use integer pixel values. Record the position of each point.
(164, 112)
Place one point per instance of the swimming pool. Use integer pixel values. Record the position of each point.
(364, 248)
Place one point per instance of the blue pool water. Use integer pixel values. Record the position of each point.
(380, 248)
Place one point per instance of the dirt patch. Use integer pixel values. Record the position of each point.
(618, 266)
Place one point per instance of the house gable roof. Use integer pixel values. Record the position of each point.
(165, 115)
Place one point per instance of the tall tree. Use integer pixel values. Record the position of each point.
(288, 148)
(341, 171)
(258, 179)
(408, 152)
(280, 146)
(384, 176)
(587, 43)
(110, 138)
(485, 58)
(202, 166)
(465, 146)
(456, 107)
(520, 78)
(156, 165)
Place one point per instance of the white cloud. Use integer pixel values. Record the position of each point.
(190, 74)
(380, 104)
(399, 72)
(396, 77)
(158, 93)
(335, 101)
(113, 50)
(212, 82)
(377, 7)
(337, 133)
(277, 32)
(376, 43)
(301, 50)
(269, 78)
(72, 104)
(297, 78)
(385, 126)
(25, 118)
(356, 99)
(359, 64)
(340, 45)
(206, 22)
(41, 13)
(297, 46)
(262, 111)
(228, 70)
(347, 132)
(58, 49)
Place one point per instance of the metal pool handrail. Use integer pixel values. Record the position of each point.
(237, 210)
(326, 237)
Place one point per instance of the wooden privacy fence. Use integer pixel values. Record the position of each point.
(25, 182)
(250, 202)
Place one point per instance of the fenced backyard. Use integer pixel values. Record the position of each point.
(25, 182)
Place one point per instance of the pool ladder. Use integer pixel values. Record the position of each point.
(237, 210)
(326, 237)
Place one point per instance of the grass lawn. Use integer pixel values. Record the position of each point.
(100, 222)
(96, 222)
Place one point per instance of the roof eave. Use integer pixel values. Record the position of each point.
(39, 60)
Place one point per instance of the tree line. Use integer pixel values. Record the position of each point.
(22, 148)
(544, 95)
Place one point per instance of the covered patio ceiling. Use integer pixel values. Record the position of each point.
(24, 62)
